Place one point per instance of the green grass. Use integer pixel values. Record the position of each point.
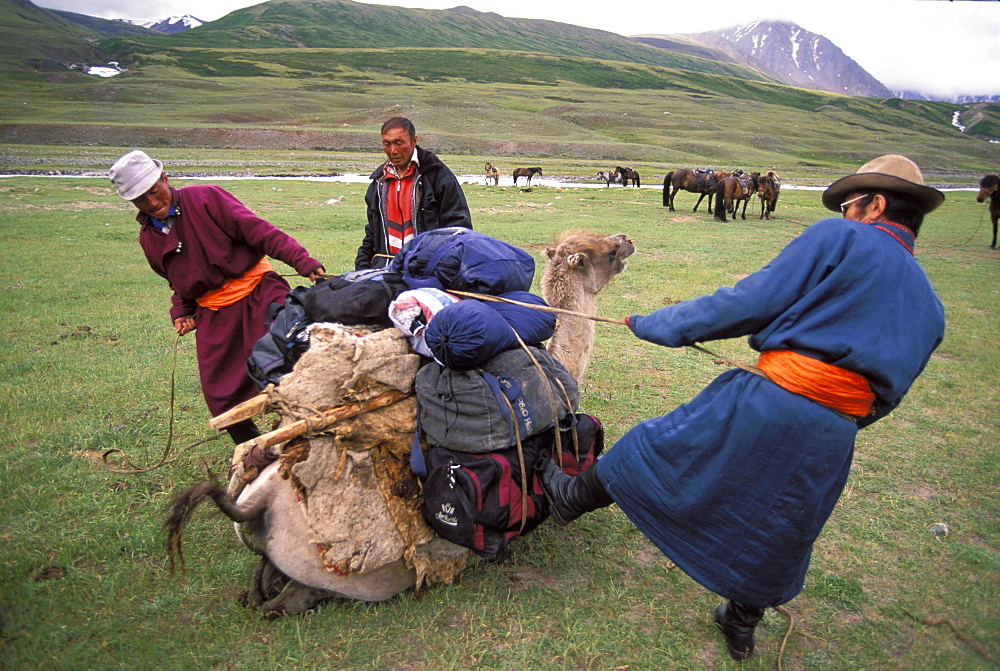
(85, 358)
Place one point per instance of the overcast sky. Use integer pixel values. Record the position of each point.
(935, 46)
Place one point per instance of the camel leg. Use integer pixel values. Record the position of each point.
(294, 598)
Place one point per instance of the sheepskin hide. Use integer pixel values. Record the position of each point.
(361, 500)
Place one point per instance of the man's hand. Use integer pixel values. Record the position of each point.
(184, 325)
(317, 275)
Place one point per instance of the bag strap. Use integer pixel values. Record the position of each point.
(524, 471)
(552, 399)
(417, 462)
(507, 391)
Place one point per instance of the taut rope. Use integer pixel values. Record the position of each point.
(597, 318)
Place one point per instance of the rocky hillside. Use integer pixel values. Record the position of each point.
(788, 53)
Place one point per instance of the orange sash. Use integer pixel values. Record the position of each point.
(236, 289)
(830, 386)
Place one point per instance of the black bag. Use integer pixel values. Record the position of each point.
(287, 338)
(358, 297)
(480, 501)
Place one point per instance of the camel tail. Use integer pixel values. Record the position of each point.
(182, 508)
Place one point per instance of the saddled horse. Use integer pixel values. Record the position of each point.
(610, 178)
(492, 173)
(768, 188)
(989, 188)
(526, 172)
(731, 190)
(696, 181)
(628, 175)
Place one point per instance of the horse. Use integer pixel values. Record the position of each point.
(627, 174)
(492, 173)
(768, 188)
(730, 190)
(610, 178)
(989, 187)
(526, 172)
(696, 181)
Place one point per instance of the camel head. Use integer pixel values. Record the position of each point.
(579, 266)
(588, 259)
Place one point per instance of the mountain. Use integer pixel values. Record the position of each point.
(791, 55)
(171, 25)
(104, 27)
(344, 24)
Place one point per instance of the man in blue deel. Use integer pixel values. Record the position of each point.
(735, 485)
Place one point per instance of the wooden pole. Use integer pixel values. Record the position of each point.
(324, 419)
(245, 410)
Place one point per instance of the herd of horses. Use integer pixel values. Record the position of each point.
(729, 189)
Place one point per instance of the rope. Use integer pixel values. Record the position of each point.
(533, 306)
(132, 468)
(276, 401)
(791, 627)
(597, 318)
(978, 647)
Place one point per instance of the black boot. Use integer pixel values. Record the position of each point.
(571, 497)
(243, 431)
(737, 623)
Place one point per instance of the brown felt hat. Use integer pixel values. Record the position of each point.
(888, 173)
(134, 174)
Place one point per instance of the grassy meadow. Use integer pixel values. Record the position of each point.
(86, 361)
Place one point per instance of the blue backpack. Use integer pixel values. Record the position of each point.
(462, 259)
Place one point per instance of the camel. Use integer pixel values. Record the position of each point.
(336, 513)
(579, 266)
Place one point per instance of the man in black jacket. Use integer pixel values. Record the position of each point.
(412, 192)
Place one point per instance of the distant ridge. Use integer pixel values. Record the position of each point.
(788, 53)
(344, 24)
(171, 25)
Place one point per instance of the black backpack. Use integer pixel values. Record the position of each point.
(357, 297)
(480, 501)
(287, 338)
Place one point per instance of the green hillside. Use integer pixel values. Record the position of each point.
(40, 39)
(191, 90)
(353, 25)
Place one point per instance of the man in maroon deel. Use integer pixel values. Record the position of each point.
(212, 251)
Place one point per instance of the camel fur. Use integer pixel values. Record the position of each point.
(580, 265)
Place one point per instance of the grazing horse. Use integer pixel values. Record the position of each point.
(696, 181)
(526, 172)
(627, 174)
(730, 190)
(492, 173)
(768, 188)
(610, 178)
(989, 187)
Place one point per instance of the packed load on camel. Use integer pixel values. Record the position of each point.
(403, 452)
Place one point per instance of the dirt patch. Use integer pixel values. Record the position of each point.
(527, 577)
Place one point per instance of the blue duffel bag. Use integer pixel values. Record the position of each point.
(461, 259)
